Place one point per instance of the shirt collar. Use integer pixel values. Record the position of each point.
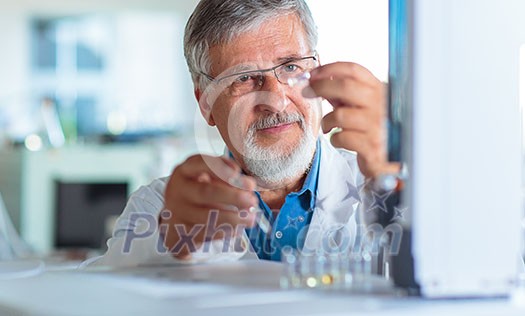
(310, 183)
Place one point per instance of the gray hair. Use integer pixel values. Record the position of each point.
(220, 21)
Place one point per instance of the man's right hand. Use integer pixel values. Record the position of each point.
(202, 192)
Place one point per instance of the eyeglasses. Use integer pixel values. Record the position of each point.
(248, 81)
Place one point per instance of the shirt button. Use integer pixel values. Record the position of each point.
(278, 234)
(301, 219)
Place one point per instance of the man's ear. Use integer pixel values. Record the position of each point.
(204, 106)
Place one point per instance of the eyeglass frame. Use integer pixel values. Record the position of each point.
(315, 57)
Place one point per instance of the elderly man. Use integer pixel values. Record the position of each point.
(250, 61)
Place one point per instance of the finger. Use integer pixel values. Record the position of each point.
(217, 193)
(342, 70)
(217, 168)
(238, 179)
(192, 214)
(242, 181)
(347, 91)
(354, 141)
(347, 118)
(211, 223)
(205, 225)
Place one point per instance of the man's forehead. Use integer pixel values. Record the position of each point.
(272, 43)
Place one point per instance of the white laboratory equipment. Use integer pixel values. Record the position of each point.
(458, 86)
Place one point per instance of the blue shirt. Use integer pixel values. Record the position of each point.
(291, 224)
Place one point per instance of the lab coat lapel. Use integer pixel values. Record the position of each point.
(337, 201)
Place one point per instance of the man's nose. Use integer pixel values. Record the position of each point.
(275, 99)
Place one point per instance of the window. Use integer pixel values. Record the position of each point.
(112, 74)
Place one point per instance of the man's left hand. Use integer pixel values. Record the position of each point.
(359, 101)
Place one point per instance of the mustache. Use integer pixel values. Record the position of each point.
(277, 119)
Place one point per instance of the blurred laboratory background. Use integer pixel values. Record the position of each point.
(96, 100)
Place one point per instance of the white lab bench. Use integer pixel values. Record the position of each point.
(236, 288)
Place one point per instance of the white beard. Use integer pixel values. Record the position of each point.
(276, 164)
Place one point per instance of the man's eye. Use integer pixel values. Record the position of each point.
(243, 78)
(246, 78)
(291, 68)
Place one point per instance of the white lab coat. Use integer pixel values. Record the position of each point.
(334, 222)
